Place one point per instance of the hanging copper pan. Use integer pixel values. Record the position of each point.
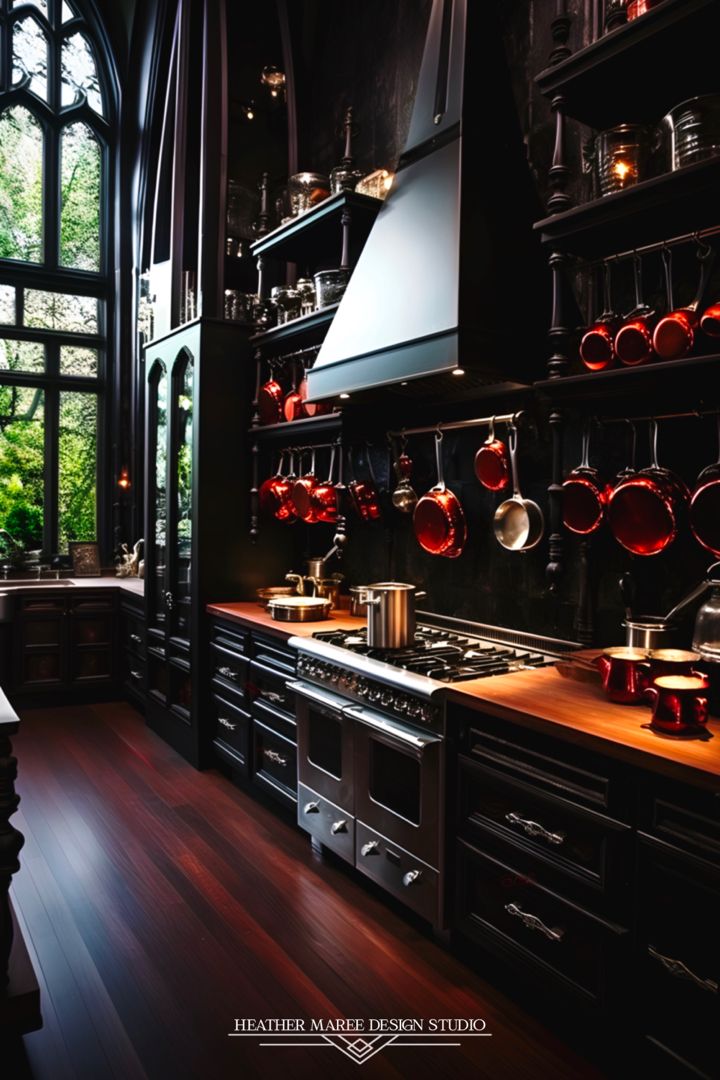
(324, 498)
(674, 335)
(584, 496)
(597, 345)
(705, 505)
(491, 462)
(438, 520)
(302, 492)
(633, 341)
(270, 401)
(274, 490)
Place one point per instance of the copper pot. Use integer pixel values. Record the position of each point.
(294, 405)
(285, 510)
(301, 495)
(634, 340)
(674, 334)
(274, 491)
(492, 467)
(584, 495)
(644, 509)
(597, 345)
(324, 498)
(438, 519)
(270, 402)
(363, 496)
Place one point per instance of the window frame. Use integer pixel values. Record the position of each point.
(50, 275)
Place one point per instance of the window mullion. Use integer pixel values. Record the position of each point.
(52, 428)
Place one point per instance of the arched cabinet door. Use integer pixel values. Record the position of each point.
(156, 547)
(181, 470)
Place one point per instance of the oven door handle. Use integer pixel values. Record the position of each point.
(320, 697)
(419, 741)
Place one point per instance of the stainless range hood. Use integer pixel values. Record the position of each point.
(435, 288)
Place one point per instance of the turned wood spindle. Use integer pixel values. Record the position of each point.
(556, 540)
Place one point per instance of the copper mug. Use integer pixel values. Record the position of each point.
(680, 703)
(672, 662)
(625, 674)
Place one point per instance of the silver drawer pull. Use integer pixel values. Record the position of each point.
(411, 877)
(227, 723)
(338, 827)
(272, 696)
(533, 923)
(311, 808)
(136, 675)
(681, 971)
(532, 828)
(136, 638)
(277, 759)
(371, 848)
(228, 673)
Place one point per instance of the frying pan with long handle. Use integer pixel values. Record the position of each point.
(584, 495)
(438, 519)
(674, 335)
(518, 522)
(705, 505)
(633, 341)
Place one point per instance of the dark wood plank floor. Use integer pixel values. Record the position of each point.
(160, 903)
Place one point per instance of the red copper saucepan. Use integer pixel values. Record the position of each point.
(491, 462)
(294, 405)
(274, 491)
(363, 494)
(597, 345)
(634, 339)
(270, 401)
(302, 492)
(584, 495)
(312, 408)
(705, 505)
(438, 519)
(324, 498)
(285, 510)
(644, 509)
(674, 335)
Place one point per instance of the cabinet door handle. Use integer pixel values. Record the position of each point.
(532, 922)
(227, 723)
(277, 759)
(311, 808)
(228, 673)
(136, 638)
(338, 827)
(681, 971)
(136, 675)
(169, 600)
(370, 848)
(272, 696)
(411, 877)
(532, 828)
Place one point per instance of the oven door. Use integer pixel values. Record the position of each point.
(399, 782)
(324, 744)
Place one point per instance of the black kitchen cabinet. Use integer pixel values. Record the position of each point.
(65, 642)
(197, 408)
(132, 648)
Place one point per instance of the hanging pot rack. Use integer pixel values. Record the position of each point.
(458, 425)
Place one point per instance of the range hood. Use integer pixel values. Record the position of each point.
(437, 286)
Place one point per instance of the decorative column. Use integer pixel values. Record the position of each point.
(255, 452)
(11, 840)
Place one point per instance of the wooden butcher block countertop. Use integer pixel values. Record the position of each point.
(543, 700)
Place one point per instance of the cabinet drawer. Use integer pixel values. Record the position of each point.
(272, 654)
(269, 686)
(279, 723)
(232, 727)
(577, 845)
(87, 604)
(408, 878)
(274, 762)
(333, 827)
(679, 955)
(687, 818)
(231, 637)
(229, 668)
(547, 765)
(515, 916)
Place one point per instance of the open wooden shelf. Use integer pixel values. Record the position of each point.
(315, 237)
(689, 381)
(296, 332)
(669, 205)
(311, 427)
(641, 70)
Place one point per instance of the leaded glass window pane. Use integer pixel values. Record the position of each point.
(21, 355)
(30, 57)
(22, 465)
(67, 12)
(21, 186)
(77, 361)
(79, 74)
(61, 311)
(81, 177)
(77, 468)
(7, 304)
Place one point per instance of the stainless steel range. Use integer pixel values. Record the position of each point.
(371, 745)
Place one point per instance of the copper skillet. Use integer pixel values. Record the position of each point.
(438, 520)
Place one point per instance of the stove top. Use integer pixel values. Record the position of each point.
(441, 654)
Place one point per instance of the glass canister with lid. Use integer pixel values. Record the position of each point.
(620, 157)
(305, 190)
(693, 127)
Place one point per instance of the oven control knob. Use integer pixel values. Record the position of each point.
(334, 674)
(360, 686)
(411, 877)
(374, 694)
(338, 827)
(401, 705)
(387, 698)
(371, 848)
(311, 808)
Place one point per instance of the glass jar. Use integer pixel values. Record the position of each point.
(305, 190)
(694, 128)
(706, 636)
(287, 303)
(344, 178)
(620, 155)
(330, 286)
(306, 292)
(263, 314)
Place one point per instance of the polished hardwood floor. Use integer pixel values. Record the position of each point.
(160, 903)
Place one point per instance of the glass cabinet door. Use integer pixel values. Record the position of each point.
(156, 560)
(181, 472)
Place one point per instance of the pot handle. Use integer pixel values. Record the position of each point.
(491, 431)
(651, 694)
(421, 595)
(667, 271)
(440, 486)
(696, 592)
(512, 448)
(585, 463)
(706, 258)
(653, 431)
(700, 710)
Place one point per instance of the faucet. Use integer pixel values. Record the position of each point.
(298, 581)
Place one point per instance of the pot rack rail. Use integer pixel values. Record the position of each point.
(697, 414)
(658, 245)
(458, 425)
